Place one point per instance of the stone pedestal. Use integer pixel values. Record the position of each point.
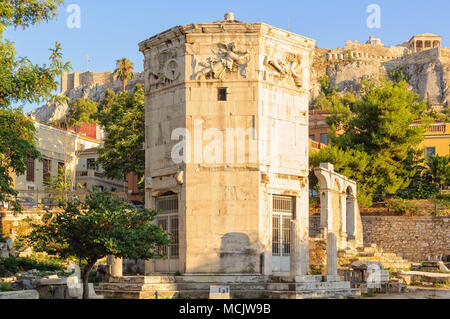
(299, 252)
(266, 260)
(115, 266)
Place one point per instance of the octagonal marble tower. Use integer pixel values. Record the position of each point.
(227, 145)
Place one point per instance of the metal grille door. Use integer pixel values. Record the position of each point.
(168, 220)
(282, 214)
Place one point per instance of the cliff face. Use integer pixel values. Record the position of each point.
(428, 71)
(86, 86)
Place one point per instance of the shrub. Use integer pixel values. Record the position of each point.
(441, 204)
(8, 266)
(442, 199)
(315, 270)
(419, 189)
(12, 265)
(4, 287)
(398, 75)
(401, 206)
(34, 262)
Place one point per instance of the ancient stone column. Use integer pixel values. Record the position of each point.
(299, 252)
(115, 266)
(325, 208)
(343, 199)
(351, 217)
(332, 269)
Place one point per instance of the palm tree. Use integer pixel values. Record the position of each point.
(124, 71)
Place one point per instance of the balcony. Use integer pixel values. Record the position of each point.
(89, 173)
(437, 129)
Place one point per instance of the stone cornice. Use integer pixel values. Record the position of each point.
(156, 40)
(225, 28)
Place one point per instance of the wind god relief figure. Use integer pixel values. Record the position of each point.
(164, 71)
(227, 59)
(289, 67)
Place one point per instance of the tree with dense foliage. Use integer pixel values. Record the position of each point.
(21, 81)
(123, 118)
(99, 226)
(373, 139)
(439, 169)
(82, 111)
(421, 186)
(17, 143)
(124, 71)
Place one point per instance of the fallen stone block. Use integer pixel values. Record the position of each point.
(51, 281)
(52, 292)
(396, 287)
(23, 284)
(24, 294)
(442, 266)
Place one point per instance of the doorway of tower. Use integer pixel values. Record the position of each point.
(282, 213)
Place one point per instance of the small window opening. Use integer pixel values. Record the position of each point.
(222, 94)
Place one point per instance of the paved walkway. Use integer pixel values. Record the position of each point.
(416, 293)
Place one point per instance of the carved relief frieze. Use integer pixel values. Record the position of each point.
(227, 59)
(288, 68)
(161, 70)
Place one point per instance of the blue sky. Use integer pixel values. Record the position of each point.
(111, 29)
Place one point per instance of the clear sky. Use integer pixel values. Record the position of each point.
(111, 29)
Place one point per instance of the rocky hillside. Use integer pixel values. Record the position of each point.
(427, 72)
(95, 91)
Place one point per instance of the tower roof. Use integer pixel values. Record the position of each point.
(228, 25)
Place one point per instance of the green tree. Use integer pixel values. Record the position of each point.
(17, 134)
(124, 71)
(82, 111)
(61, 184)
(330, 99)
(378, 125)
(99, 226)
(325, 84)
(439, 169)
(123, 118)
(351, 163)
(21, 81)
